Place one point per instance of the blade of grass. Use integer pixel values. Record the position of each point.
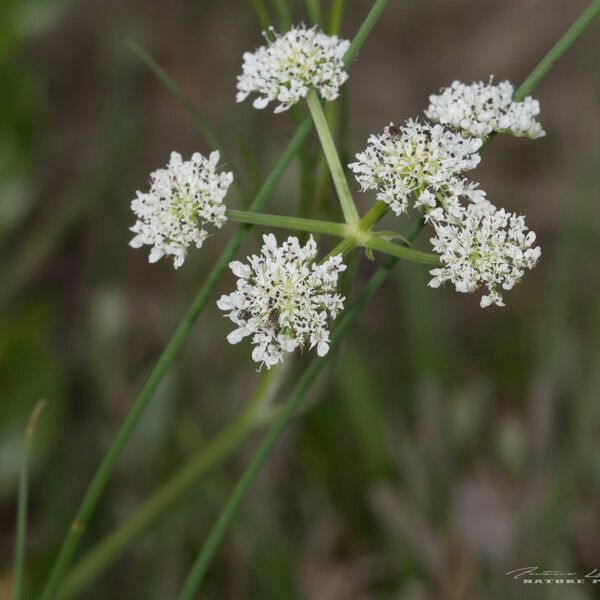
(106, 468)
(22, 501)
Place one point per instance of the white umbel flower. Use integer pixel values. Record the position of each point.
(488, 247)
(417, 158)
(183, 198)
(481, 108)
(291, 65)
(283, 299)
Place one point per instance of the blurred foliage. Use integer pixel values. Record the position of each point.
(448, 445)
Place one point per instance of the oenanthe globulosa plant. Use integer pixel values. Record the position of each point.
(287, 296)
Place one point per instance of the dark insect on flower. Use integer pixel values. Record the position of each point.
(395, 130)
(273, 319)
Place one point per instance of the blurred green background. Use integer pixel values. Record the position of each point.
(444, 446)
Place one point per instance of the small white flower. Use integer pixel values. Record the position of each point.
(488, 247)
(291, 65)
(481, 108)
(417, 158)
(283, 299)
(183, 198)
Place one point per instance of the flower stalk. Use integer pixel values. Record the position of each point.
(333, 160)
(358, 235)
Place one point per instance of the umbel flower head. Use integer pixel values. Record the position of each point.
(487, 247)
(183, 198)
(283, 299)
(417, 158)
(290, 65)
(481, 108)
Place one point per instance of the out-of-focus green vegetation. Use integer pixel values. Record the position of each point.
(446, 445)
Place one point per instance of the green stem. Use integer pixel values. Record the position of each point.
(108, 463)
(207, 133)
(553, 56)
(373, 215)
(400, 251)
(313, 11)
(262, 14)
(364, 31)
(366, 224)
(22, 502)
(283, 12)
(285, 222)
(558, 50)
(333, 160)
(335, 17)
(218, 531)
(374, 241)
(207, 459)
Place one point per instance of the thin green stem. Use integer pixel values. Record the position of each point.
(106, 468)
(313, 10)
(283, 12)
(22, 502)
(285, 222)
(400, 251)
(373, 215)
(333, 160)
(218, 531)
(366, 224)
(364, 31)
(335, 17)
(307, 160)
(198, 119)
(374, 241)
(558, 50)
(262, 14)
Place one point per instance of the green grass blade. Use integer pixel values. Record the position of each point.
(22, 502)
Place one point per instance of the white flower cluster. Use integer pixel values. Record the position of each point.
(487, 247)
(416, 158)
(283, 299)
(291, 65)
(183, 198)
(481, 108)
